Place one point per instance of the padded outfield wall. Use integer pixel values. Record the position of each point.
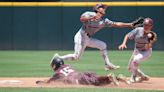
(43, 26)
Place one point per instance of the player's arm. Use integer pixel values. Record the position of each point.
(135, 23)
(130, 35)
(41, 82)
(45, 81)
(86, 19)
(121, 24)
(123, 45)
(53, 78)
(88, 16)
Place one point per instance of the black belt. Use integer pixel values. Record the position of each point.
(88, 35)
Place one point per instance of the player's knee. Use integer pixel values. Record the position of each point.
(133, 66)
(103, 46)
(138, 58)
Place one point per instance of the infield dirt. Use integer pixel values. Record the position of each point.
(152, 84)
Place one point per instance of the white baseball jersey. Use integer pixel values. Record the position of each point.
(140, 52)
(82, 38)
(92, 27)
(140, 39)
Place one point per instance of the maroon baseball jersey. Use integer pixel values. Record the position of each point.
(66, 74)
(64, 70)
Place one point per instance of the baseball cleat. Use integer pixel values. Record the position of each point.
(144, 78)
(123, 78)
(111, 67)
(113, 79)
(135, 79)
(55, 56)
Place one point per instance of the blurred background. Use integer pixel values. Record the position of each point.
(54, 27)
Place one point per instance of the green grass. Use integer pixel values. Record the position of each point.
(36, 64)
(72, 90)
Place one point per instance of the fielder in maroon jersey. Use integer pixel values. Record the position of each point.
(66, 74)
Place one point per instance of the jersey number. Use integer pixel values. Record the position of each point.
(66, 71)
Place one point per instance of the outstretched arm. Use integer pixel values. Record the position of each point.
(53, 78)
(121, 24)
(86, 19)
(123, 45)
(45, 81)
(138, 22)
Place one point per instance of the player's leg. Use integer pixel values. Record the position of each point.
(79, 49)
(111, 78)
(146, 55)
(133, 66)
(136, 59)
(95, 43)
(108, 79)
(80, 41)
(88, 78)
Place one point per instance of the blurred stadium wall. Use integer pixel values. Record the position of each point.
(52, 26)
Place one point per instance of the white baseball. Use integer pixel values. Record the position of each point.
(149, 35)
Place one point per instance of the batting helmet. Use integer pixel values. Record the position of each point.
(148, 21)
(97, 6)
(57, 62)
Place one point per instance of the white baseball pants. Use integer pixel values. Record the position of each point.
(136, 59)
(82, 41)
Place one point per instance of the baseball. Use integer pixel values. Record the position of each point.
(149, 35)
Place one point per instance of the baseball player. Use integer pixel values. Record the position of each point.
(92, 23)
(66, 74)
(144, 38)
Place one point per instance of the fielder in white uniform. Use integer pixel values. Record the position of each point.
(92, 23)
(142, 50)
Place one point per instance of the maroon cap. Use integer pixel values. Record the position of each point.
(148, 21)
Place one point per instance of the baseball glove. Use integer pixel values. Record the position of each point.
(152, 36)
(138, 22)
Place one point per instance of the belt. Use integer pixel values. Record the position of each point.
(83, 31)
(88, 35)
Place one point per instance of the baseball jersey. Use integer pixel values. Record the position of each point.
(66, 74)
(91, 27)
(140, 39)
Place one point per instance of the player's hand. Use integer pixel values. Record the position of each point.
(39, 82)
(122, 46)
